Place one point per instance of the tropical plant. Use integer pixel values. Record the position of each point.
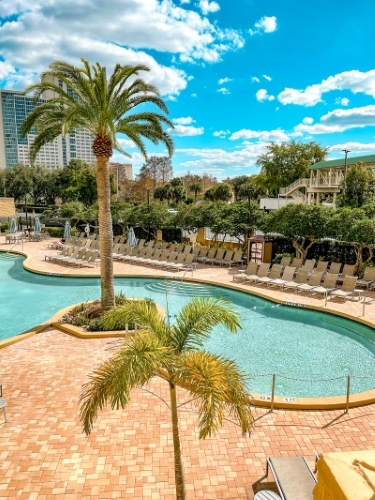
(196, 188)
(105, 107)
(174, 353)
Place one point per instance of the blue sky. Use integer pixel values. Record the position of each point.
(236, 75)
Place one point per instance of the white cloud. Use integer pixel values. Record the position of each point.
(187, 120)
(126, 143)
(72, 30)
(307, 120)
(255, 79)
(344, 101)
(193, 95)
(208, 7)
(264, 25)
(221, 133)
(340, 120)
(354, 147)
(220, 160)
(267, 77)
(277, 135)
(223, 90)
(224, 80)
(186, 130)
(354, 80)
(262, 95)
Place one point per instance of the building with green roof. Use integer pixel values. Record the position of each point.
(325, 180)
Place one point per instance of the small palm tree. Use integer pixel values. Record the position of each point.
(196, 188)
(174, 353)
(105, 107)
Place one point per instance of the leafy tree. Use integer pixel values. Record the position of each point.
(149, 216)
(358, 188)
(303, 224)
(72, 209)
(164, 193)
(354, 227)
(77, 182)
(219, 192)
(173, 352)
(19, 182)
(284, 163)
(105, 107)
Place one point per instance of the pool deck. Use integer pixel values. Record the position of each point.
(45, 455)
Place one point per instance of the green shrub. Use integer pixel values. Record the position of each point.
(55, 232)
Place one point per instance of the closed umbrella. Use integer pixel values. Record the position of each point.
(67, 230)
(37, 226)
(132, 241)
(13, 226)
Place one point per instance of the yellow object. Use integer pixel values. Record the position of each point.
(346, 476)
(159, 235)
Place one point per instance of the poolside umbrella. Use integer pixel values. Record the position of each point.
(37, 226)
(132, 242)
(67, 230)
(13, 226)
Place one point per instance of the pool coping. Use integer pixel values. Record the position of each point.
(262, 400)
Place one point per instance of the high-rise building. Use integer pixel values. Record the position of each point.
(14, 149)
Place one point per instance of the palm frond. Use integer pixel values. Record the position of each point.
(135, 363)
(218, 386)
(197, 319)
(141, 312)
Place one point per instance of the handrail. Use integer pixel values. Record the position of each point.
(303, 182)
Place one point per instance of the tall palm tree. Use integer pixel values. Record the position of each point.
(174, 353)
(104, 106)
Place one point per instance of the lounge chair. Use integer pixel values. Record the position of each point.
(249, 271)
(72, 253)
(321, 266)
(335, 268)
(329, 284)
(227, 258)
(297, 263)
(161, 259)
(347, 289)
(210, 255)
(275, 273)
(123, 250)
(141, 243)
(347, 271)
(138, 258)
(156, 256)
(217, 257)
(300, 278)
(309, 264)
(187, 249)
(177, 262)
(186, 265)
(287, 276)
(237, 258)
(293, 476)
(202, 254)
(261, 273)
(368, 278)
(314, 281)
(285, 261)
(116, 240)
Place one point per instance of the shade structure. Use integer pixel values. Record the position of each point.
(132, 241)
(37, 226)
(13, 226)
(67, 230)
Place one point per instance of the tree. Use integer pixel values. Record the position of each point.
(104, 107)
(218, 192)
(178, 192)
(303, 224)
(284, 163)
(196, 188)
(19, 182)
(358, 187)
(174, 353)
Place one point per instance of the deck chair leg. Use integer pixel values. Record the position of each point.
(5, 415)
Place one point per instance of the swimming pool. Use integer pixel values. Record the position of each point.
(310, 352)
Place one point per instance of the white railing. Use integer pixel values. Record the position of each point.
(297, 195)
(296, 184)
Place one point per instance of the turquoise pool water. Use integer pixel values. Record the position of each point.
(310, 352)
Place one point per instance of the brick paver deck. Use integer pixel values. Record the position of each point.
(44, 454)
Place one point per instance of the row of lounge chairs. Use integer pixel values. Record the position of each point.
(218, 256)
(301, 280)
(75, 257)
(164, 259)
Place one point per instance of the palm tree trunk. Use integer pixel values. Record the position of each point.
(105, 233)
(178, 471)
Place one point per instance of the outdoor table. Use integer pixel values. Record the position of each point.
(14, 238)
